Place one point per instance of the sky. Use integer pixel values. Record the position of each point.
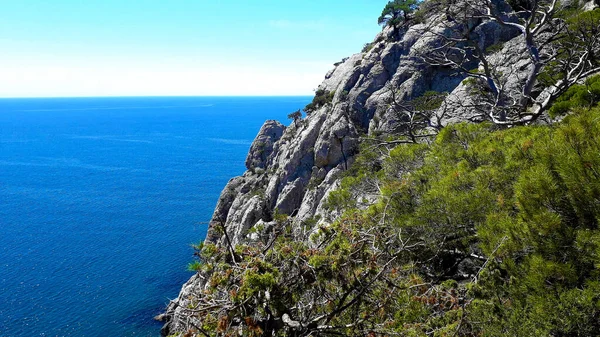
(74, 48)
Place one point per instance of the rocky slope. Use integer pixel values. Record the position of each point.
(292, 169)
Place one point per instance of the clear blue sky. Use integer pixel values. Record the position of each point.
(177, 47)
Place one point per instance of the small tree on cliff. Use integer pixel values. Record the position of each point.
(397, 12)
(295, 116)
(416, 119)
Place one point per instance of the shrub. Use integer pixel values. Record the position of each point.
(367, 47)
(321, 98)
(584, 95)
(494, 48)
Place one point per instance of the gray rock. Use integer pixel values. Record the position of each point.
(245, 213)
(591, 5)
(511, 61)
(262, 147)
(290, 197)
(316, 194)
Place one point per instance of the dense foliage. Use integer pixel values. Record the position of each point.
(584, 95)
(321, 98)
(483, 232)
(397, 11)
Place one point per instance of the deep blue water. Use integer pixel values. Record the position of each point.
(100, 199)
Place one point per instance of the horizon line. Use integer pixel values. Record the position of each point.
(152, 96)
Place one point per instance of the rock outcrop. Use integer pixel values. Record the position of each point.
(262, 147)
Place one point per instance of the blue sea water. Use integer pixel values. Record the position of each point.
(100, 199)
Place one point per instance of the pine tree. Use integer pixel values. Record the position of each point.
(397, 12)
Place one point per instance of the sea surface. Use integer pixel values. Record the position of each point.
(100, 199)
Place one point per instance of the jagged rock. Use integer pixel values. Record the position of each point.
(290, 197)
(330, 184)
(177, 313)
(262, 231)
(585, 5)
(341, 74)
(315, 195)
(511, 61)
(293, 155)
(414, 76)
(262, 147)
(591, 5)
(226, 199)
(338, 142)
(245, 213)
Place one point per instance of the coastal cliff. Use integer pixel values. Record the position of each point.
(292, 171)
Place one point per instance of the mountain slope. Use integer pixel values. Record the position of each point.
(293, 205)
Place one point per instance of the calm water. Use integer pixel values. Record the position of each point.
(100, 199)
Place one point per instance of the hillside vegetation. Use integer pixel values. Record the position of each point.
(483, 231)
(463, 206)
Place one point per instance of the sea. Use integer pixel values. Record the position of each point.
(102, 198)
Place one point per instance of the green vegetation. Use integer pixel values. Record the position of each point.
(416, 119)
(367, 47)
(295, 116)
(397, 12)
(321, 98)
(430, 100)
(482, 232)
(344, 95)
(494, 48)
(578, 96)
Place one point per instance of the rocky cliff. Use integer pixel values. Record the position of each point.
(291, 170)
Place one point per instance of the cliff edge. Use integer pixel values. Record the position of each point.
(292, 170)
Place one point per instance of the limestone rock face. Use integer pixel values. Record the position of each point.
(262, 147)
(591, 5)
(586, 5)
(511, 61)
(293, 169)
(322, 184)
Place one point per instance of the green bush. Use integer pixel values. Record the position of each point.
(321, 98)
(584, 95)
(494, 48)
(367, 47)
